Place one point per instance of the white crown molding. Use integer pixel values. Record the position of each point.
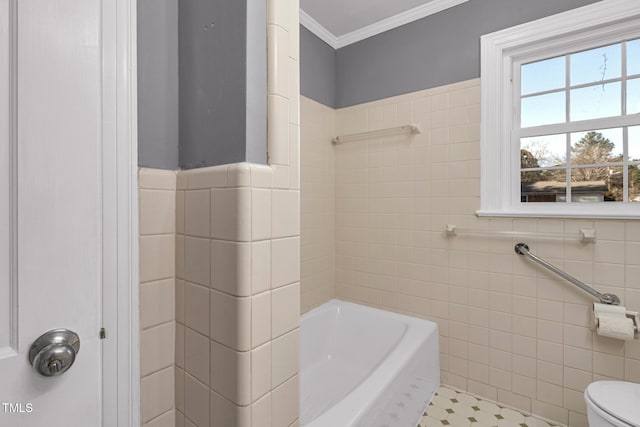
(387, 24)
(398, 20)
(316, 28)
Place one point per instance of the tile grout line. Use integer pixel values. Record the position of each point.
(458, 392)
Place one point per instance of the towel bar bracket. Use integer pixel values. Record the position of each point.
(520, 248)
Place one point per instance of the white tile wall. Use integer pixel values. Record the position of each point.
(156, 391)
(317, 282)
(509, 331)
(157, 199)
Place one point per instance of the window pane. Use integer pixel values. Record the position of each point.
(634, 144)
(595, 101)
(596, 65)
(542, 75)
(543, 110)
(597, 185)
(633, 96)
(596, 147)
(539, 187)
(633, 57)
(543, 151)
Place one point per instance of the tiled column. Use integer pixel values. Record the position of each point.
(283, 88)
(157, 189)
(238, 267)
(237, 298)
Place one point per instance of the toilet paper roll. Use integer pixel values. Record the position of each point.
(615, 326)
(608, 308)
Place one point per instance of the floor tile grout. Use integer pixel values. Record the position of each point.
(460, 409)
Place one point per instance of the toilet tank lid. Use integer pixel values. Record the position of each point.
(619, 399)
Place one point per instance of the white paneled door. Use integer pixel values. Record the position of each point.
(58, 194)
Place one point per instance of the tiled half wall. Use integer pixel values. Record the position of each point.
(220, 297)
(510, 332)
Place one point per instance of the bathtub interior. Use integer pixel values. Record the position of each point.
(360, 364)
(340, 348)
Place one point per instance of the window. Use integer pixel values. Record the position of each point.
(561, 115)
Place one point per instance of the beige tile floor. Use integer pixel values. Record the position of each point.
(457, 409)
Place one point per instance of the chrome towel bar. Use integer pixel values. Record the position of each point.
(611, 299)
(411, 129)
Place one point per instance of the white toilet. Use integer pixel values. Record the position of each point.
(613, 403)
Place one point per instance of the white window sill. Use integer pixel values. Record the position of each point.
(550, 213)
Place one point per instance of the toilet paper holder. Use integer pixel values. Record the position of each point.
(607, 310)
(611, 320)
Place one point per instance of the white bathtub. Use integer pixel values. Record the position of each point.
(366, 367)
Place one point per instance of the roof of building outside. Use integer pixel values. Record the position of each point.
(561, 187)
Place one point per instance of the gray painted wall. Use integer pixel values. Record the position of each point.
(223, 82)
(440, 49)
(219, 113)
(158, 83)
(317, 69)
(202, 83)
(212, 82)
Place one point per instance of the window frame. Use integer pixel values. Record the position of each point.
(598, 24)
